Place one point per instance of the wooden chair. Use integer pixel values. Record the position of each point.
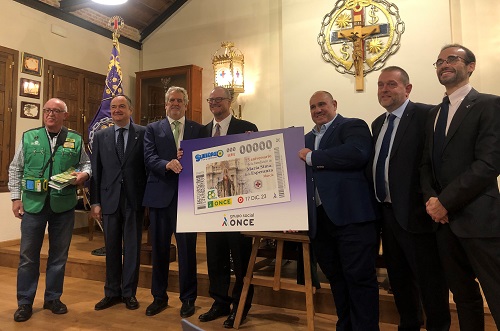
(277, 283)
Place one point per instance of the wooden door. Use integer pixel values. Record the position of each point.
(8, 76)
(67, 85)
(81, 90)
(92, 96)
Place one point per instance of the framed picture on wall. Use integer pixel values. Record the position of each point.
(29, 88)
(31, 64)
(30, 110)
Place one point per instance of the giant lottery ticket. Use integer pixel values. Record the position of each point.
(243, 174)
(243, 182)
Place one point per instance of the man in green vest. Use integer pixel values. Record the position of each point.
(43, 153)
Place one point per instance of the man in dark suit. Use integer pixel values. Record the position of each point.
(408, 237)
(161, 144)
(116, 192)
(460, 166)
(221, 246)
(342, 212)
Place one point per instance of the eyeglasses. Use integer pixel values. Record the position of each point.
(452, 59)
(53, 110)
(216, 100)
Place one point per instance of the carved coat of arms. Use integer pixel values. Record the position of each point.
(358, 36)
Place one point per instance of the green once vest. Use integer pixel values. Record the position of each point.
(36, 148)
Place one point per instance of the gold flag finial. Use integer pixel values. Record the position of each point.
(116, 23)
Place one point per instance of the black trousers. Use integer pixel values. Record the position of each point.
(124, 226)
(220, 247)
(416, 276)
(464, 260)
(347, 254)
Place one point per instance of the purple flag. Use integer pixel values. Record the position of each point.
(102, 118)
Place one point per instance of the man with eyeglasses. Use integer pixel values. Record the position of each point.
(221, 246)
(42, 153)
(161, 145)
(460, 166)
(408, 233)
(116, 193)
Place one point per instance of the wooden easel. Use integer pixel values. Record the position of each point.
(276, 283)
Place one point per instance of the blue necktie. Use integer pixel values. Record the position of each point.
(382, 156)
(120, 144)
(440, 135)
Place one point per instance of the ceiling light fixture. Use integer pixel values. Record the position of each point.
(110, 2)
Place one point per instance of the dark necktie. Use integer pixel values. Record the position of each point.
(382, 156)
(217, 130)
(120, 144)
(440, 134)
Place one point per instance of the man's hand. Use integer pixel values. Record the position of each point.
(81, 177)
(17, 208)
(303, 153)
(436, 210)
(174, 165)
(180, 153)
(95, 212)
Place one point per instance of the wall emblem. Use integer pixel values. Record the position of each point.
(358, 36)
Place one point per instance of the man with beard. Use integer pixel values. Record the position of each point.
(221, 246)
(460, 166)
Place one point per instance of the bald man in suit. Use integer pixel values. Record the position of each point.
(116, 192)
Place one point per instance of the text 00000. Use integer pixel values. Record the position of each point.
(255, 147)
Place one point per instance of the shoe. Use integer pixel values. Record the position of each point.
(213, 314)
(55, 306)
(23, 313)
(107, 302)
(131, 302)
(156, 307)
(187, 308)
(229, 322)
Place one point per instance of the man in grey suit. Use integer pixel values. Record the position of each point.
(116, 193)
(460, 166)
(408, 233)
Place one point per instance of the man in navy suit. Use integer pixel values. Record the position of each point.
(221, 246)
(460, 166)
(408, 233)
(342, 214)
(161, 145)
(116, 192)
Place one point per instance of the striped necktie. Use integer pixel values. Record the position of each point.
(217, 130)
(176, 132)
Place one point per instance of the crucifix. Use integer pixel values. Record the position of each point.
(357, 36)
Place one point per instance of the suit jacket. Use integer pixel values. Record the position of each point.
(467, 185)
(159, 149)
(235, 126)
(404, 163)
(108, 172)
(338, 173)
